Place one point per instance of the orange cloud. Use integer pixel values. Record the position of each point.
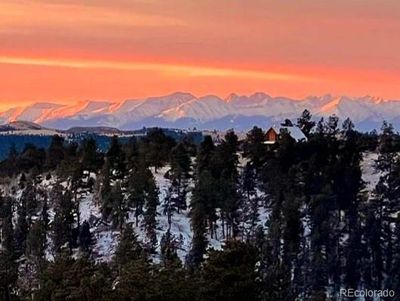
(168, 69)
(63, 50)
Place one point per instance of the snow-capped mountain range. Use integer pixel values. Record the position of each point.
(184, 110)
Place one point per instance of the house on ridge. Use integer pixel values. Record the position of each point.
(272, 134)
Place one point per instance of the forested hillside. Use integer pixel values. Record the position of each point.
(158, 219)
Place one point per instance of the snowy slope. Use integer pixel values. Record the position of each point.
(106, 238)
(202, 109)
(153, 106)
(366, 112)
(84, 108)
(34, 113)
(369, 173)
(27, 128)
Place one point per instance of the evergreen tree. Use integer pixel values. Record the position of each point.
(169, 245)
(205, 153)
(150, 214)
(118, 207)
(69, 167)
(8, 265)
(254, 148)
(104, 190)
(85, 238)
(8, 275)
(175, 200)
(135, 280)
(347, 128)
(225, 170)
(63, 222)
(36, 241)
(198, 216)
(156, 148)
(331, 126)
(69, 279)
(230, 274)
(132, 156)
(116, 158)
(250, 203)
(21, 231)
(129, 248)
(305, 122)
(11, 162)
(90, 158)
(55, 152)
(31, 158)
(23, 223)
(380, 224)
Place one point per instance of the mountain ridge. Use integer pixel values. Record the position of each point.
(183, 109)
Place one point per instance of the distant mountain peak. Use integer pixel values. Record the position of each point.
(27, 128)
(183, 109)
(45, 105)
(24, 125)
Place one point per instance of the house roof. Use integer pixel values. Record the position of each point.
(295, 132)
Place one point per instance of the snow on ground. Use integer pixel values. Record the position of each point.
(369, 173)
(88, 208)
(106, 238)
(180, 225)
(106, 244)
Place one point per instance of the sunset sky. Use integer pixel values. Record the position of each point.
(70, 50)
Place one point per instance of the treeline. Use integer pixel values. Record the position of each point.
(297, 221)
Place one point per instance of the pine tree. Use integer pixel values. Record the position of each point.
(8, 275)
(150, 213)
(305, 123)
(103, 188)
(393, 280)
(55, 153)
(198, 217)
(44, 215)
(331, 126)
(380, 223)
(156, 148)
(116, 158)
(348, 128)
(70, 166)
(169, 246)
(254, 148)
(132, 153)
(63, 222)
(21, 228)
(172, 282)
(205, 153)
(70, 279)
(11, 162)
(230, 274)
(179, 175)
(129, 248)
(137, 186)
(135, 281)
(250, 203)
(8, 265)
(36, 241)
(225, 162)
(118, 206)
(90, 158)
(85, 238)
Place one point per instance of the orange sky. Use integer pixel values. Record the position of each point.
(69, 50)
